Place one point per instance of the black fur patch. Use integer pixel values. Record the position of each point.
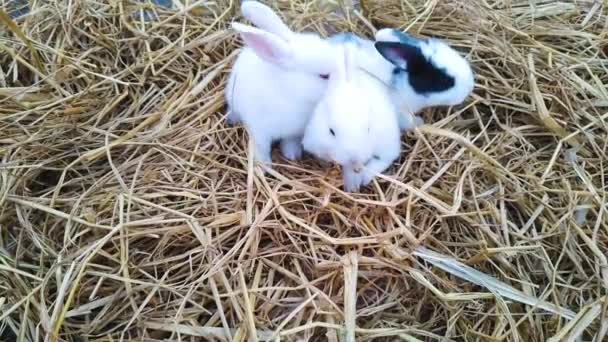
(423, 75)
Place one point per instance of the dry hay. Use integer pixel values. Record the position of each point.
(129, 209)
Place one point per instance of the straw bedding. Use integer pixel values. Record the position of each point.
(130, 210)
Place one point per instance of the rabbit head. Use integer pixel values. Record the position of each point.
(275, 43)
(341, 127)
(427, 72)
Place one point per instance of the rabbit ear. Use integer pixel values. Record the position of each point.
(265, 18)
(399, 54)
(349, 62)
(393, 35)
(266, 45)
(344, 66)
(423, 75)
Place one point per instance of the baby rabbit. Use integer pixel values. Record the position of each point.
(276, 81)
(420, 73)
(355, 123)
(425, 72)
(280, 75)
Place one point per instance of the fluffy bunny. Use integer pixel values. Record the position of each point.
(355, 123)
(280, 76)
(420, 73)
(276, 81)
(425, 73)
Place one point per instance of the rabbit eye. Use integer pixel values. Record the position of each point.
(324, 76)
(331, 131)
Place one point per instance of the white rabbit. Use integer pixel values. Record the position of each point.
(420, 73)
(280, 76)
(355, 123)
(276, 81)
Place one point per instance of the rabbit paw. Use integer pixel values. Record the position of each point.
(232, 118)
(352, 180)
(407, 122)
(262, 153)
(366, 177)
(291, 148)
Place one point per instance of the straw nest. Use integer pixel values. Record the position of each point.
(130, 210)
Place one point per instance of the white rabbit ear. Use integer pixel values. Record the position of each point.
(344, 66)
(265, 18)
(387, 35)
(349, 62)
(266, 45)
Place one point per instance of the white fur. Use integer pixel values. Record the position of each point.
(372, 62)
(275, 86)
(358, 110)
(442, 55)
(407, 100)
(275, 82)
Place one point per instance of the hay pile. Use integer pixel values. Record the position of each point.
(129, 209)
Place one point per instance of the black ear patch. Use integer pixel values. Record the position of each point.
(423, 75)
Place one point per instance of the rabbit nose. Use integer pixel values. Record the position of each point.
(356, 165)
